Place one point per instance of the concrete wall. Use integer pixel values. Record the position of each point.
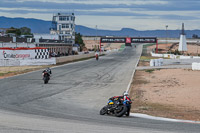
(172, 56)
(195, 66)
(27, 62)
(73, 58)
(50, 61)
(16, 45)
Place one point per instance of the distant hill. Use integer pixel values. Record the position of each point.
(36, 25)
(41, 26)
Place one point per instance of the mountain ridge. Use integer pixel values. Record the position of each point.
(42, 26)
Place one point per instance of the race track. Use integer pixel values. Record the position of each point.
(71, 101)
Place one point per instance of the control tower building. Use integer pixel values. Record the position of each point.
(63, 25)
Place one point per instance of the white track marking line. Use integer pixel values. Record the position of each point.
(129, 85)
(145, 116)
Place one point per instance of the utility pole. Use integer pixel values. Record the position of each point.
(96, 37)
(166, 33)
(197, 47)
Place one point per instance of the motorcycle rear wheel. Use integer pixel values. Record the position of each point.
(104, 110)
(45, 80)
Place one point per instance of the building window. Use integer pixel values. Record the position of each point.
(65, 26)
(67, 32)
(62, 18)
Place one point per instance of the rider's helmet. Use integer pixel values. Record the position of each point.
(125, 93)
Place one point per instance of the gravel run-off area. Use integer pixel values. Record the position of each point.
(171, 93)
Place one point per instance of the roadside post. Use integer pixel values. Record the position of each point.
(100, 44)
(156, 45)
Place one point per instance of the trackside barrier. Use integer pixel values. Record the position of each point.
(77, 57)
(156, 62)
(73, 58)
(27, 62)
(50, 61)
(195, 66)
(172, 56)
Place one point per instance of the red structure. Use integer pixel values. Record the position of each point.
(157, 46)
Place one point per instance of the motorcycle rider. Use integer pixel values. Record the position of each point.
(121, 99)
(97, 55)
(126, 97)
(48, 70)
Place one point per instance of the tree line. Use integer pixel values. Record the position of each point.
(19, 31)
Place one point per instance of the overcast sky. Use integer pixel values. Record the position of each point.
(111, 14)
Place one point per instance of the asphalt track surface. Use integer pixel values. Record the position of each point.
(71, 101)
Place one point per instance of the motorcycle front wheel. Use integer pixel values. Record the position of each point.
(128, 110)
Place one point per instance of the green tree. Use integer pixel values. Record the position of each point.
(15, 31)
(20, 31)
(25, 31)
(79, 40)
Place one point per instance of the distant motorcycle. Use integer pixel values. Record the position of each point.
(115, 107)
(97, 57)
(46, 77)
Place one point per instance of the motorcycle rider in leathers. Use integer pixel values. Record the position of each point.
(121, 99)
(48, 70)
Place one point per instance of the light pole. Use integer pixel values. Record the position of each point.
(166, 33)
(96, 37)
(197, 47)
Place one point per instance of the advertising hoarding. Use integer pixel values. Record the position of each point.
(129, 40)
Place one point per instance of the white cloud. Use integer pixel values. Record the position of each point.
(109, 14)
(116, 23)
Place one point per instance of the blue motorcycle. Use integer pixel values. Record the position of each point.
(116, 107)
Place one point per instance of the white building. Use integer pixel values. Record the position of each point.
(63, 24)
(183, 42)
(46, 36)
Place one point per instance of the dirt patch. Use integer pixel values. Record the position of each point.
(172, 93)
(193, 48)
(163, 48)
(143, 63)
(15, 70)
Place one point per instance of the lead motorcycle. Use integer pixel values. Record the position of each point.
(117, 107)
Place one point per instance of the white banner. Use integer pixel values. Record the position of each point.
(17, 54)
